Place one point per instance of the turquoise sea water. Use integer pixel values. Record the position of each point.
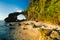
(3, 30)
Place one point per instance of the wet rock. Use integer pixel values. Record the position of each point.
(27, 24)
(33, 25)
(49, 33)
(43, 34)
(10, 25)
(19, 24)
(24, 28)
(55, 39)
(55, 34)
(57, 31)
(12, 28)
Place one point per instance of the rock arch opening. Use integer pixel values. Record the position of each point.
(21, 17)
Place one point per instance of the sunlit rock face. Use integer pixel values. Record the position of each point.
(31, 30)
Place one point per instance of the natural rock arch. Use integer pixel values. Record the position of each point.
(12, 17)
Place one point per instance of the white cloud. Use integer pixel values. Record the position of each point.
(19, 10)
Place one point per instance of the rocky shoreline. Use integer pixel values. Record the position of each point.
(32, 30)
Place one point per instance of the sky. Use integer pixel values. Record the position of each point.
(9, 6)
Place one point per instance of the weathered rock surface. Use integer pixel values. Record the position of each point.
(31, 30)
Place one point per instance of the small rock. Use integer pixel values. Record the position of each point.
(55, 39)
(24, 28)
(49, 33)
(10, 25)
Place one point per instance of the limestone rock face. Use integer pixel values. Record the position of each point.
(27, 31)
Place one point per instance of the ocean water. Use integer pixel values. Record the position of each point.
(2, 22)
(3, 30)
